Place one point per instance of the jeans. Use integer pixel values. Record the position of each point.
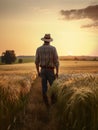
(47, 75)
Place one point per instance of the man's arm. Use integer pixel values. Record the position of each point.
(37, 68)
(37, 62)
(56, 62)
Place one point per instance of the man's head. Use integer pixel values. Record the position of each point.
(47, 38)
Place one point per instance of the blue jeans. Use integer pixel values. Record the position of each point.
(47, 75)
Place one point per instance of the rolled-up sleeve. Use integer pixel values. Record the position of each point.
(37, 57)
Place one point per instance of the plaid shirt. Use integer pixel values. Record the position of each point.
(46, 55)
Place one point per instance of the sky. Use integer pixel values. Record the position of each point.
(73, 25)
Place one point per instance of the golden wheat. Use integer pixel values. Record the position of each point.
(77, 101)
(14, 89)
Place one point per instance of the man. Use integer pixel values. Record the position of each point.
(47, 59)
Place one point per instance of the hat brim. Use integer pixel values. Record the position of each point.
(47, 40)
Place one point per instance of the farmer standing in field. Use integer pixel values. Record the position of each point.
(47, 60)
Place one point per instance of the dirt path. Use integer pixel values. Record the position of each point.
(36, 116)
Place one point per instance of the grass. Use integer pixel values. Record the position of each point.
(25, 59)
(76, 91)
(14, 90)
(76, 107)
(77, 102)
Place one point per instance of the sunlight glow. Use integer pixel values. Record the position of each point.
(23, 34)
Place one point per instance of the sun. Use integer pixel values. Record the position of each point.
(69, 53)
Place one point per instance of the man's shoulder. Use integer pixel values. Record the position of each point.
(44, 46)
(49, 47)
(39, 47)
(52, 47)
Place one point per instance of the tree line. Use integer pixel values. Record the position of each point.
(9, 57)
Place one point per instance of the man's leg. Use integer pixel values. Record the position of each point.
(51, 78)
(44, 87)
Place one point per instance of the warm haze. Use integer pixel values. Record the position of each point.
(73, 24)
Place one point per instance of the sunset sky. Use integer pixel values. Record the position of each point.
(73, 25)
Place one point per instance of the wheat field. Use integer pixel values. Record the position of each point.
(77, 101)
(75, 87)
(15, 85)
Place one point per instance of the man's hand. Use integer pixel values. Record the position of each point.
(57, 70)
(56, 75)
(39, 74)
(37, 68)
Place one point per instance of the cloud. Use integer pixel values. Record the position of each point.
(95, 24)
(90, 12)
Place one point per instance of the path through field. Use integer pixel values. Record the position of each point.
(36, 116)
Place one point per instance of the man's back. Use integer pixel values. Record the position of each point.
(46, 55)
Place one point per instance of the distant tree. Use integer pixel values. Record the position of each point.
(95, 59)
(8, 57)
(75, 58)
(20, 60)
(83, 59)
